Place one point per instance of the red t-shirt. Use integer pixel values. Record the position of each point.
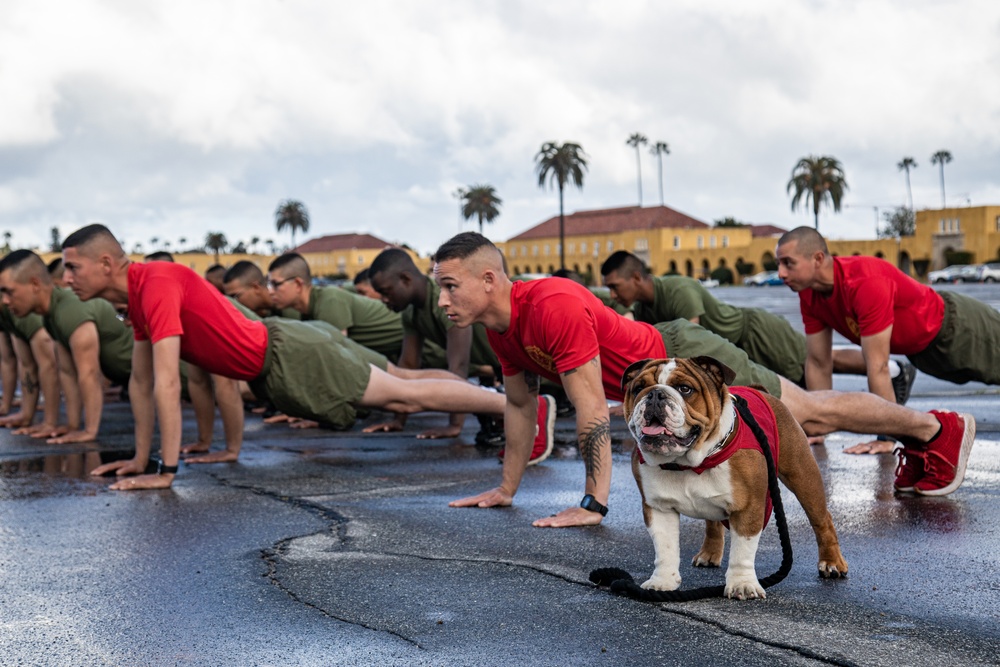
(869, 295)
(167, 299)
(557, 325)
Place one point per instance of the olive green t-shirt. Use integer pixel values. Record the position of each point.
(23, 327)
(367, 322)
(67, 313)
(680, 297)
(431, 322)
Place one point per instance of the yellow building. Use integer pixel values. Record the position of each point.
(669, 241)
(347, 254)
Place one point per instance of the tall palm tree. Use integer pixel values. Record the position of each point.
(270, 246)
(293, 215)
(153, 242)
(818, 179)
(181, 242)
(659, 149)
(481, 201)
(560, 164)
(941, 158)
(635, 141)
(906, 164)
(254, 240)
(216, 242)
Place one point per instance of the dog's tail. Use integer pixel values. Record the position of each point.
(621, 582)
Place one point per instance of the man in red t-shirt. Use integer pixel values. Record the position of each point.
(875, 305)
(556, 329)
(307, 370)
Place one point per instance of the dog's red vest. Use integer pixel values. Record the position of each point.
(743, 438)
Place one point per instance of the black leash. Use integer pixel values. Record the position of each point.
(621, 582)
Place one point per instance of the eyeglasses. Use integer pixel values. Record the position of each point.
(275, 284)
(122, 315)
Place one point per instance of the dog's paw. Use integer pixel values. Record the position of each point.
(663, 582)
(744, 588)
(833, 569)
(706, 558)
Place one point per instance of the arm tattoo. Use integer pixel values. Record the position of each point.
(533, 381)
(29, 384)
(594, 434)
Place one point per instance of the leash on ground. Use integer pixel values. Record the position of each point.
(621, 582)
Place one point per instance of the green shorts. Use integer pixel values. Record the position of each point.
(684, 339)
(967, 348)
(313, 371)
(770, 341)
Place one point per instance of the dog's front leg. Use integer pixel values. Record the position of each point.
(664, 527)
(741, 577)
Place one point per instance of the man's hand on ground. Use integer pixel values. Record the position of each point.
(53, 432)
(443, 432)
(126, 467)
(143, 482)
(42, 428)
(384, 427)
(873, 447)
(574, 516)
(72, 436)
(16, 420)
(302, 423)
(224, 456)
(493, 498)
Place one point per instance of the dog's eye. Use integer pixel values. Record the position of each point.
(684, 390)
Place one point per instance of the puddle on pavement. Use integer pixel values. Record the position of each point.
(57, 474)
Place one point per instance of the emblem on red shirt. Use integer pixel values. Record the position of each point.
(541, 358)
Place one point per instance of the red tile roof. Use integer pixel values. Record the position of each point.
(611, 220)
(766, 230)
(343, 242)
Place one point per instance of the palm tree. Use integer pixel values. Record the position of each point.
(254, 240)
(6, 241)
(941, 158)
(818, 178)
(659, 149)
(270, 245)
(560, 164)
(481, 201)
(153, 242)
(906, 164)
(291, 214)
(216, 242)
(181, 242)
(635, 141)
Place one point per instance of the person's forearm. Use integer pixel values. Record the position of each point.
(167, 394)
(29, 394)
(144, 413)
(230, 403)
(593, 430)
(818, 376)
(93, 401)
(519, 429)
(880, 384)
(49, 382)
(74, 404)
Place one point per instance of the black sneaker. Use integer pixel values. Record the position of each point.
(903, 383)
(490, 431)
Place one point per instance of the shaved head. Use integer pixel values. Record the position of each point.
(244, 273)
(93, 241)
(807, 239)
(24, 265)
(475, 251)
(291, 265)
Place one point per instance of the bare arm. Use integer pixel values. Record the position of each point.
(593, 429)
(8, 373)
(43, 349)
(875, 350)
(230, 402)
(819, 360)
(85, 357)
(71, 392)
(29, 386)
(458, 347)
(520, 419)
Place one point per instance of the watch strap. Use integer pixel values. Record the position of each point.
(589, 502)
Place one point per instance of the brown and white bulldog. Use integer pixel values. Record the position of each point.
(682, 416)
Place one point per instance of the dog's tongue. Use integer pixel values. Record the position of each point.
(656, 429)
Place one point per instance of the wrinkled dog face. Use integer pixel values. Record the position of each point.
(675, 406)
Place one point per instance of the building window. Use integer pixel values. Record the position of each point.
(958, 225)
(583, 248)
(642, 244)
(534, 251)
(725, 241)
(513, 251)
(611, 246)
(571, 248)
(547, 249)
(711, 241)
(998, 223)
(701, 242)
(558, 248)
(597, 248)
(524, 251)
(677, 243)
(941, 226)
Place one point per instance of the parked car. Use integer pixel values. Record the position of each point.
(763, 279)
(945, 275)
(990, 273)
(969, 274)
(709, 282)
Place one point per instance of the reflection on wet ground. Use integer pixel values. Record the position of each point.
(55, 474)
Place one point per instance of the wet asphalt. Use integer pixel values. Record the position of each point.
(322, 548)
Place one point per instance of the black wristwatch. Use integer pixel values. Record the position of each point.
(589, 502)
(164, 470)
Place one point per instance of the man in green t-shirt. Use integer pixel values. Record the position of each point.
(89, 337)
(405, 290)
(365, 321)
(245, 283)
(768, 339)
(37, 363)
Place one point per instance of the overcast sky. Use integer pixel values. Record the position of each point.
(175, 118)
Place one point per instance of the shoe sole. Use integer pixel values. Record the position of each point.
(968, 438)
(550, 423)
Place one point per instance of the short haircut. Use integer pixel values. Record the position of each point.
(393, 259)
(91, 234)
(808, 239)
(568, 274)
(244, 272)
(291, 265)
(56, 268)
(25, 265)
(362, 277)
(215, 268)
(159, 256)
(624, 264)
(463, 246)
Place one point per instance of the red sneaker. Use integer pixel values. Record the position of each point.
(544, 431)
(947, 454)
(910, 469)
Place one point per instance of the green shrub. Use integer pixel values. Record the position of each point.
(958, 257)
(723, 274)
(745, 268)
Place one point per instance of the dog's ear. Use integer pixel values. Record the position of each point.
(722, 373)
(631, 372)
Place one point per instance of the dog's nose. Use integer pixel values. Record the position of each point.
(657, 399)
